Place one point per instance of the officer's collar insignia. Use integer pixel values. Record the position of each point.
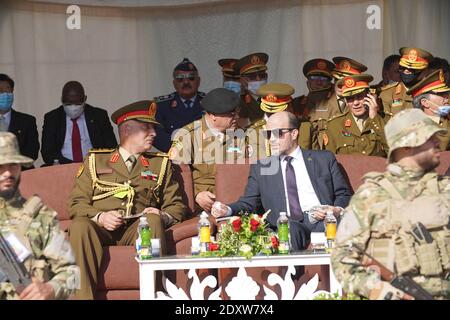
(144, 161)
(114, 157)
(346, 133)
(174, 104)
(149, 175)
(348, 123)
(398, 89)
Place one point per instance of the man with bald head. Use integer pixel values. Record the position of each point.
(292, 180)
(73, 128)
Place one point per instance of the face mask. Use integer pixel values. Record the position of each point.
(6, 101)
(441, 111)
(408, 79)
(233, 86)
(73, 111)
(253, 86)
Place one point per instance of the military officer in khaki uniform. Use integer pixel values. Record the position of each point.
(253, 74)
(394, 96)
(384, 215)
(431, 95)
(33, 231)
(230, 76)
(277, 97)
(334, 105)
(209, 141)
(115, 186)
(359, 130)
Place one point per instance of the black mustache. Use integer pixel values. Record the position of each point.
(187, 86)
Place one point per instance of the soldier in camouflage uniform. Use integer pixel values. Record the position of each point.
(49, 257)
(115, 186)
(394, 96)
(359, 130)
(388, 206)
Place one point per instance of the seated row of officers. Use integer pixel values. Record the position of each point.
(345, 117)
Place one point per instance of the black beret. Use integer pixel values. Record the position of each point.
(220, 100)
(185, 65)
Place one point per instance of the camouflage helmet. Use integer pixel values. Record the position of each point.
(409, 128)
(9, 150)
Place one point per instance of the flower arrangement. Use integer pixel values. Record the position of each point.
(245, 235)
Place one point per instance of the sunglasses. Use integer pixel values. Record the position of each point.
(321, 78)
(278, 133)
(190, 76)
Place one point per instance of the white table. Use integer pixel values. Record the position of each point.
(147, 268)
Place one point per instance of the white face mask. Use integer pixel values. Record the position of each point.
(253, 86)
(73, 111)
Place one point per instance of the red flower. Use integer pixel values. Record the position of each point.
(237, 224)
(254, 224)
(213, 246)
(274, 242)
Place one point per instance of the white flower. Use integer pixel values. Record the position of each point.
(245, 248)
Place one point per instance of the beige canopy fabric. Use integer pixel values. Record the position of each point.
(126, 50)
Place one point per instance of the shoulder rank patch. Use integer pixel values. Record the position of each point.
(80, 170)
(104, 150)
(201, 94)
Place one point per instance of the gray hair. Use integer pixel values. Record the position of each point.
(417, 100)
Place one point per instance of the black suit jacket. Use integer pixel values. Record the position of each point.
(54, 132)
(267, 191)
(24, 127)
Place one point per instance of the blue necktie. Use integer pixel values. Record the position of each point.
(188, 103)
(292, 192)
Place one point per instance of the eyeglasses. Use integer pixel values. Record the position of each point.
(278, 133)
(181, 76)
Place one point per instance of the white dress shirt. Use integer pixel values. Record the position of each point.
(306, 193)
(191, 99)
(86, 144)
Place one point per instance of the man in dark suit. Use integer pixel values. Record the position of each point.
(181, 107)
(72, 129)
(294, 181)
(21, 124)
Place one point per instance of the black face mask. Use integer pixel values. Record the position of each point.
(408, 79)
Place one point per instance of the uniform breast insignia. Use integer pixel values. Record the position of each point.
(346, 133)
(149, 175)
(114, 157)
(174, 104)
(80, 170)
(164, 98)
(348, 123)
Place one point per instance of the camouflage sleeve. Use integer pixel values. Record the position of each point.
(57, 253)
(80, 200)
(172, 201)
(354, 228)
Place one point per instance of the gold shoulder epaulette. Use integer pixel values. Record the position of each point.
(101, 150)
(257, 124)
(156, 154)
(388, 86)
(337, 117)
